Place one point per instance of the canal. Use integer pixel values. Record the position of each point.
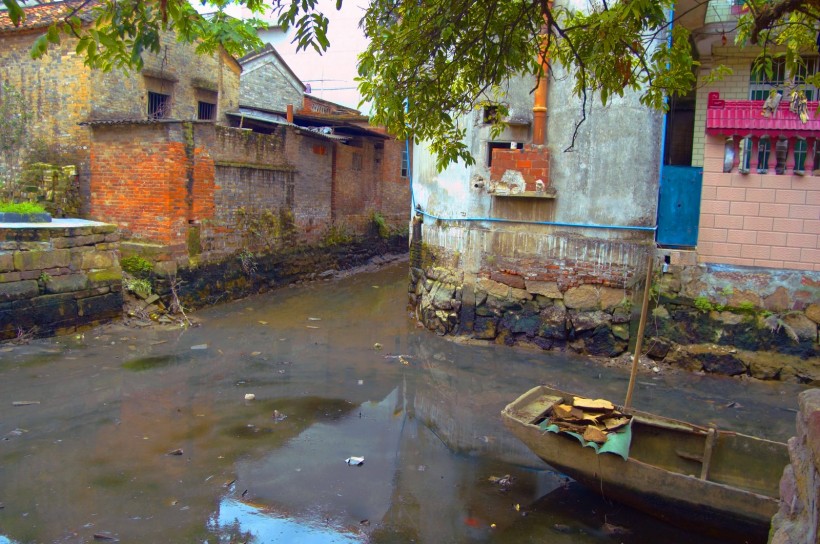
(238, 430)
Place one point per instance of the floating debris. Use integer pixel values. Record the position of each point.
(355, 461)
(200, 346)
(377, 346)
(25, 402)
(263, 322)
(249, 396)
(278, 416)
(314, 318)
(177, 451)
(503, 481)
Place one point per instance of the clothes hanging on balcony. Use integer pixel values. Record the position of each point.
(771, 103)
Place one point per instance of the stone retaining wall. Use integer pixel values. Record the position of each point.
(57, 278)
(798, 520)
(704, 318)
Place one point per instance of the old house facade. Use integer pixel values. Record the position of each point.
(64, 94)
(538, 245)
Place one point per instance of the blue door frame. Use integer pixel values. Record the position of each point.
(679, 206)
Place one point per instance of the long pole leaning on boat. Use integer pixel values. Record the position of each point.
(641, 326)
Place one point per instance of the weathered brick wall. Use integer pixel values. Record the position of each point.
(57, 279)
(395, 189)
(313, 182)
(267, 84)
(532, 162)
(56, 88)
(355, 192)
(140, 179)
(63, 92)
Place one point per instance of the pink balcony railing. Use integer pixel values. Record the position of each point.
(745, 118)
(776, 139)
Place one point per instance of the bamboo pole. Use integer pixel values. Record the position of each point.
(641, 327)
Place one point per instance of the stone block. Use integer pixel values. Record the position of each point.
(67, 284)
(40, 260)
(779, 301)
(10, 276)
(166, 268)
(813, 312)
(50, 312)
(512, 280)
(6, 261)
(103, 307)
(584, 297)
(805, 328)
(809, 403)
(547, 289)
(104, 276)
(35, 246)
(611, 298)
(493, 288)
(97, 260)
(17, 290)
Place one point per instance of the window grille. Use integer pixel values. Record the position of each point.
(159, 105)
(206, 111)
(405, 162)
(760, 85)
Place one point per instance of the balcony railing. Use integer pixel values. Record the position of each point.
(780, 143)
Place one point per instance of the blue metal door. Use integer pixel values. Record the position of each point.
(679, 206)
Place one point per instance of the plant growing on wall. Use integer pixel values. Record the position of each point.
(265, 229)
(14, 132)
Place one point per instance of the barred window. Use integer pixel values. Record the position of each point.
(206, 111)
(159, 105)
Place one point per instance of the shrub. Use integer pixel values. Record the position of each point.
(24, 208)
(137, 266)
(702, 303)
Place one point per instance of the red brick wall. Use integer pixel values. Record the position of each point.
(132, 179)
(533, 161)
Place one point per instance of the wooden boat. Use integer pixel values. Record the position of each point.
(713, 481)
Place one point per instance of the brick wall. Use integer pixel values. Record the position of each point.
(395, 189)
(267, 84)
(62, 92)
(764, 220)
(314, 158)
(533, 162)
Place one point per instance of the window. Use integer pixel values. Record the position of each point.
(500, 145)
(206, 111)
(405, 161)
(760, 85)
(490, 114)
(159, 105)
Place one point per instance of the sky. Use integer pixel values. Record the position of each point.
(330, 75)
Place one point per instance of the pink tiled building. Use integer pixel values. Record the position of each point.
(760, 195)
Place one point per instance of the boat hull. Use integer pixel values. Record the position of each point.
(677, 497)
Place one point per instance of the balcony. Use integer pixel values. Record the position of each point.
(780, 143)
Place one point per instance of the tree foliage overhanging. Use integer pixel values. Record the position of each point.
(430, 62)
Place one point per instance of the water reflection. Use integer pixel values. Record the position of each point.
(94, 456)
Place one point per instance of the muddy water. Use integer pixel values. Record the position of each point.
(145, 435)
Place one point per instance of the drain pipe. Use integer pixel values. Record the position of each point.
(539, 109)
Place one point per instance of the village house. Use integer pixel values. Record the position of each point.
(545, 239)
(202, 179)
(157, 154)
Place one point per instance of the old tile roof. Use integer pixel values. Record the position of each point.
(43, 15)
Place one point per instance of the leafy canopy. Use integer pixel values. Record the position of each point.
(430, 62)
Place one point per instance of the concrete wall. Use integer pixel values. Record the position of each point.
(514, 262)
(59, 278)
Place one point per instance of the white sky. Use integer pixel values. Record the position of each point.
(330, 75)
